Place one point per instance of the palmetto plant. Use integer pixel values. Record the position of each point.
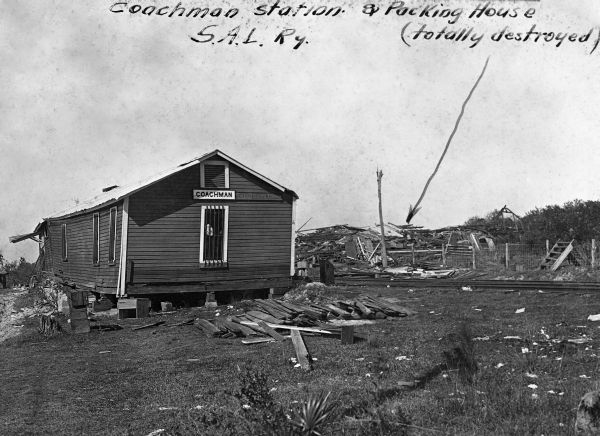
(316, 411)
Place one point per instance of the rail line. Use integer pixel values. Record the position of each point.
(544, 285)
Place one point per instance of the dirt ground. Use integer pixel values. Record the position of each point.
(536, 355)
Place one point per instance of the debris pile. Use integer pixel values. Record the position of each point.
(266, 316)
(357, 250)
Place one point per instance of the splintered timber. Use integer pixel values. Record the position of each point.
(181, 10)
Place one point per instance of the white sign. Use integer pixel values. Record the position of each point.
(209, 194)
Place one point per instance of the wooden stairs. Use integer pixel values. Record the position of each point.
(557, 255)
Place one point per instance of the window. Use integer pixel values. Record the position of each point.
(213, 236)
(112, 235)
(96, 244)
(64, 241)
(214, 174)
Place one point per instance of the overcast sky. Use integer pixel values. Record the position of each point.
(92, 98)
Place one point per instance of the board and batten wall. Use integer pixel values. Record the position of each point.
(79, 266)
(164, 230)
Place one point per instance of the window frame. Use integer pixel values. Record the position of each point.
(224, 262)
(64, 242)
(96, 239)
(214, 162)
(112, 235)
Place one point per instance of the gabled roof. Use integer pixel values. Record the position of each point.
(120, 192)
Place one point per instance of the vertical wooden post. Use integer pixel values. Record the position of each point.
(211, 300)
(473, 255)
(412, 248)
(506, 255)
(383, 250)
(547, 247)
(443, 255)
(326, 272)
(347, 334)
(593, 258)
(122, 278)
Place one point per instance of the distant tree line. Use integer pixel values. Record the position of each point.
(19, 271)
(577, 219)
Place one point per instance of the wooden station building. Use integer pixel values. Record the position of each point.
(211, 224)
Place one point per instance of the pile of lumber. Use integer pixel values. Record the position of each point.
(265, 317)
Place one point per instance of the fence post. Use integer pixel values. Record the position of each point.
(473, 253)
(506, 255)
(593, 253)
(413, 253)
(547, 247)
(443, 255)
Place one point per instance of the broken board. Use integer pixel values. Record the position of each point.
(301, 352)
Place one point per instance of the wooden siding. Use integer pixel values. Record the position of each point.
(164, 231)
(79, 266)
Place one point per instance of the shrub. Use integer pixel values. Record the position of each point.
(262, 416)
(315, 413)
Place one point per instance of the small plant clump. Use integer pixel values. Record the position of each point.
(263, 416)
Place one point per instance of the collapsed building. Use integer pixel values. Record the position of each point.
(358, 249)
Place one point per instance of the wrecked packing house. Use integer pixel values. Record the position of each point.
(357, 250)
(211, 224)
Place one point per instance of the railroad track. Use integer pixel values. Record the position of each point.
(544, 285)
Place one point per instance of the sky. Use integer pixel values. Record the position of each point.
(93, 98)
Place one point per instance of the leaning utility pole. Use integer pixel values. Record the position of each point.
(383, 250)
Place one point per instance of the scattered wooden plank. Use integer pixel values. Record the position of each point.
(187, 322)
(209, 329)
(364, 309)
(147, 326)
(301, 352)
(403, 311)
(293, 327)
(270, 331)
(264, 317)
(247, 331)
(290, 306)
(379, 307)
(237, 328)
(348, 308)
(271, 311)
(322, 308)
(280, 303)
(228, 326)
(257, 341)
(314, 313)
(278, 307)
(343, 305)
(339, 312)
(249, 324)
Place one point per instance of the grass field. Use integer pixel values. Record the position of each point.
(177, 380)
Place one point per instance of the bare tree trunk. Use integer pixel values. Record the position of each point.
(383, 250)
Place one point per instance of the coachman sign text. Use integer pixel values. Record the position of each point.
(209, 194)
